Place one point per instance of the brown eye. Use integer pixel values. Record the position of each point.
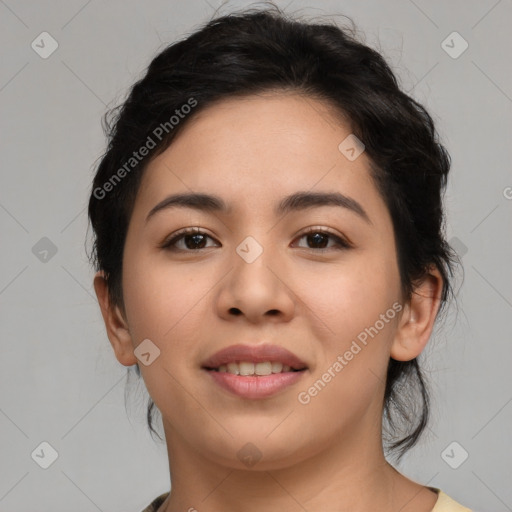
(193, 240)
(318, 240)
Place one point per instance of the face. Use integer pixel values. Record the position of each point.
(318, 279)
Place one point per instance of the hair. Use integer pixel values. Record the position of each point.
(257, 51)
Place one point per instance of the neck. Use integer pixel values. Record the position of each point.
(350, 474)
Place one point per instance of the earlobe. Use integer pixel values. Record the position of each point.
(115, 323)
(417, 321)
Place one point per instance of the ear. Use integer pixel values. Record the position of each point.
(115, 323)
(418, 317)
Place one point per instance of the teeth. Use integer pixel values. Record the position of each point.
(246, 368)
(277, 367)
(263, 368)
(233, 368)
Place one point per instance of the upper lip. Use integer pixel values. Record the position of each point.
(254, 353)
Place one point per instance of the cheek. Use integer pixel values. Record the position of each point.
(162, 298)
(164, 305)
(353, 324)
(344, 299)
(353, 311)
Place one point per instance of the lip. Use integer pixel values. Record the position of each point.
(254, 353)
(255, 387)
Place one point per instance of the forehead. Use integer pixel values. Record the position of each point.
(256, 149)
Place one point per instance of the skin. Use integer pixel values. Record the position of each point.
(326, 455)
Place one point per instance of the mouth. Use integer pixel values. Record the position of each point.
(254, 360)
(254, 380)
(255, 369)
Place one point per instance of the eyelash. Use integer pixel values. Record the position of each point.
(168, 244)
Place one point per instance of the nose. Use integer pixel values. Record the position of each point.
(258, 291)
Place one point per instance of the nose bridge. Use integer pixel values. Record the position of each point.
(250, 249)
(255, 234)
(254, 260)
(254, 286)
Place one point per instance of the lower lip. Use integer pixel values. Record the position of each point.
(255, 387)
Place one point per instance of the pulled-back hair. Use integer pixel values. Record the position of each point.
(256, 51)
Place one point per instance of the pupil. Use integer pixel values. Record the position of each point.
(316, 237)
(194, 243)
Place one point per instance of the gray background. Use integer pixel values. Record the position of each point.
(60, 382)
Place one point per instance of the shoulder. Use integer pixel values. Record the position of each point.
(446, 504)
(443, 504)
(153, 506)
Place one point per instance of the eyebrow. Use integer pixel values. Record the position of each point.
(294, 202)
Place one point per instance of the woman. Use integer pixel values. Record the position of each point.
(270, 254)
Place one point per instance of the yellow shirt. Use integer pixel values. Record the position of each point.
(443, 504)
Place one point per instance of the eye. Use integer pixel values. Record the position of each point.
(193, 238)
(320, 237)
